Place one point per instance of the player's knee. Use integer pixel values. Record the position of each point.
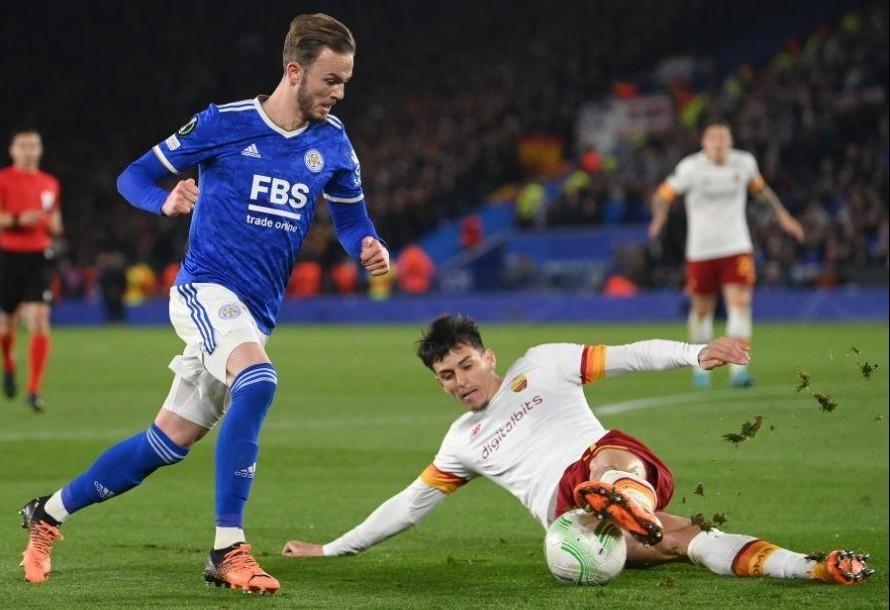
(615, 459)
(738, 296)
(246, 356)
(39, 327)
(179, 430)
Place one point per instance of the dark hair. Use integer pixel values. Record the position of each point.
(309, 34)
(21, 131)
(444, 334)
(716, 122)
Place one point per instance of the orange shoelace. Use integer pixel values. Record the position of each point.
(241, 559)
(43, 535)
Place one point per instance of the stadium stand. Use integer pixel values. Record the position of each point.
(438, 133)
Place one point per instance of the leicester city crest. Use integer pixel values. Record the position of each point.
(314, 160)
(229, 311)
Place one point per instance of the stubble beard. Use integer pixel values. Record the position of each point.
(304, 103)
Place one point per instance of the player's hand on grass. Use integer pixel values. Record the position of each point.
(791, 227)
(298, 548)
(374, 256)
(724, 350)
(181, 199)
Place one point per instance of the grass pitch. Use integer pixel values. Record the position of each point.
(358, 417)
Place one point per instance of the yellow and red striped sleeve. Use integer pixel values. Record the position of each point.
(756, 185)
(441, 480)
(666, 192)
(593, 363)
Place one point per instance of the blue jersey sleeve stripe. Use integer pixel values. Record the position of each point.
(237, 108)
(344, 199)
(164, 161)
(248, 102)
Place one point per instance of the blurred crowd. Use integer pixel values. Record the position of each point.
(442, 96)
(816, 119)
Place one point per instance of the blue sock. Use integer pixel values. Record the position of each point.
(236, 447)
(121, 468)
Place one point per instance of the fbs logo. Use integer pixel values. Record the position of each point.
(247, 473)
(104, 492)
(279, 191)
(519, 383)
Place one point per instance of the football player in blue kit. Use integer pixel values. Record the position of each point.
(263, 163)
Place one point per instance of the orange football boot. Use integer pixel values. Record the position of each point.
(606, 502)
(234, 567)
(843, 568)
(41, 536)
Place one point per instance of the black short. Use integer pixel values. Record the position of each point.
(25, 277)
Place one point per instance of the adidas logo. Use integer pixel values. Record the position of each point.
(104, 492)
(248, 472)
(252, 151)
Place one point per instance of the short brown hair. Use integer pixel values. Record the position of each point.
(309, 34)
(446, 333)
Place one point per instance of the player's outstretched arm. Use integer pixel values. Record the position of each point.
(399, 513)
(662, 355)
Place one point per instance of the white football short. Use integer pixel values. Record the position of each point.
(212, 321)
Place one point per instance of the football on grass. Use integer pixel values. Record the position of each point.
(583, 550)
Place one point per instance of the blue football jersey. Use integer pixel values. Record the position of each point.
(259, 185)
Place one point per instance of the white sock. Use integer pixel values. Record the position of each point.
(701, 330)
(633, 486)
(227, 536)
(788, 564)
(716, 550)
(739, 555)
(738, 326)
(54, 507)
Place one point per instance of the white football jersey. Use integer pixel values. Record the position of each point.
(536, 425)
(716, 196)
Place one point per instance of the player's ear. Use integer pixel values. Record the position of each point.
(489, 356)
(294, 72)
